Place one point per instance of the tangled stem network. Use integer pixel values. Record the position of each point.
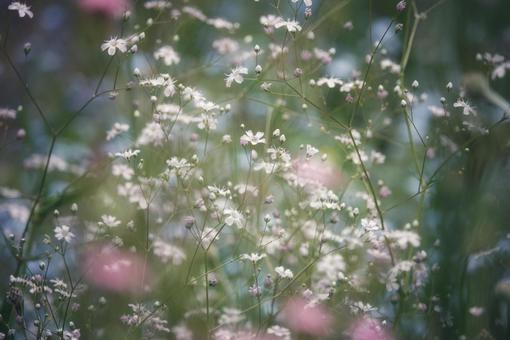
(186, 175)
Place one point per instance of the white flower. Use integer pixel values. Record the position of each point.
(109, 221)
(207, 106)
(231, 316)
(207, 122)
(209, 235)
(403, 238)
(476, 311)
(331, 82)
(72, 335)
(163, 80)
(190, 93)
(284, 273)
(225, 46)
(270, 20)
(253, 139)
(181, 167)
(116, 130)
(113, 45)
(266, 86)
(232, 217)
(236, 75)
(253, 257)
(63, 232)
(311, 151)
(122, 170)
(500, 70)
(279, 331)
(226, 139)
(168, 54)
(168, 252)
(22, 9)
(466, 108)
(290, 25)
(392, 283)
(218, 191)
(128, 154)
(7, 113)
(437, 111)
(331, 267)
(152, 134)
(370, 224)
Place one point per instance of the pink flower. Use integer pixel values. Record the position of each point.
(384, 191)
(368, 329)
(401, 6)
(431, 153)
(314, 170)
(112, 8)
(113, 269)
(300, 316)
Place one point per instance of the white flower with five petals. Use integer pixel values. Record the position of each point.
(290, 25)
(236, 76)
(63, 232)
(114, 44)
(23, 9)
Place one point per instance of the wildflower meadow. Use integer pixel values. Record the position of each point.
(254, 169)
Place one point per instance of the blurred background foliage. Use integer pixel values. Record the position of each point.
(469, 203)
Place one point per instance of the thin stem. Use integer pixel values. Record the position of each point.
(374, 195)
(257, 294)
(28, 91)
(206, 277)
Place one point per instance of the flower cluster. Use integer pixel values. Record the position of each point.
(252, 197)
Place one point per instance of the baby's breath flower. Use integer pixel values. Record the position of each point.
(401, 5)
(63, 232)
(233, 217)
(109, 221)
(168, 252)
(114, 44)
(168, 55)
(284, 273)
(253, 257)
(6, 113)
(330, 82)
(122, 170)
(226, 139)
(466, 108)
(250, 138)
(23, 9)
(116, 130)
(289, 24)
(266, 86)
(128, 154)
(279, 331)
(236, 75)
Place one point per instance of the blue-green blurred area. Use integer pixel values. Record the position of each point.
(466, 219)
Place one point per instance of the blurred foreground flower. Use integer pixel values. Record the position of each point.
(113, 269)
(301, 316)
(313, 171)
(112, 8)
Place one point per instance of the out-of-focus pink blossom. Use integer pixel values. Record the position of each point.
(368, 329)
(431, 153)
(315, 170)
(112, 8)
(384, 191)
(300, 316)
(116, 270)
